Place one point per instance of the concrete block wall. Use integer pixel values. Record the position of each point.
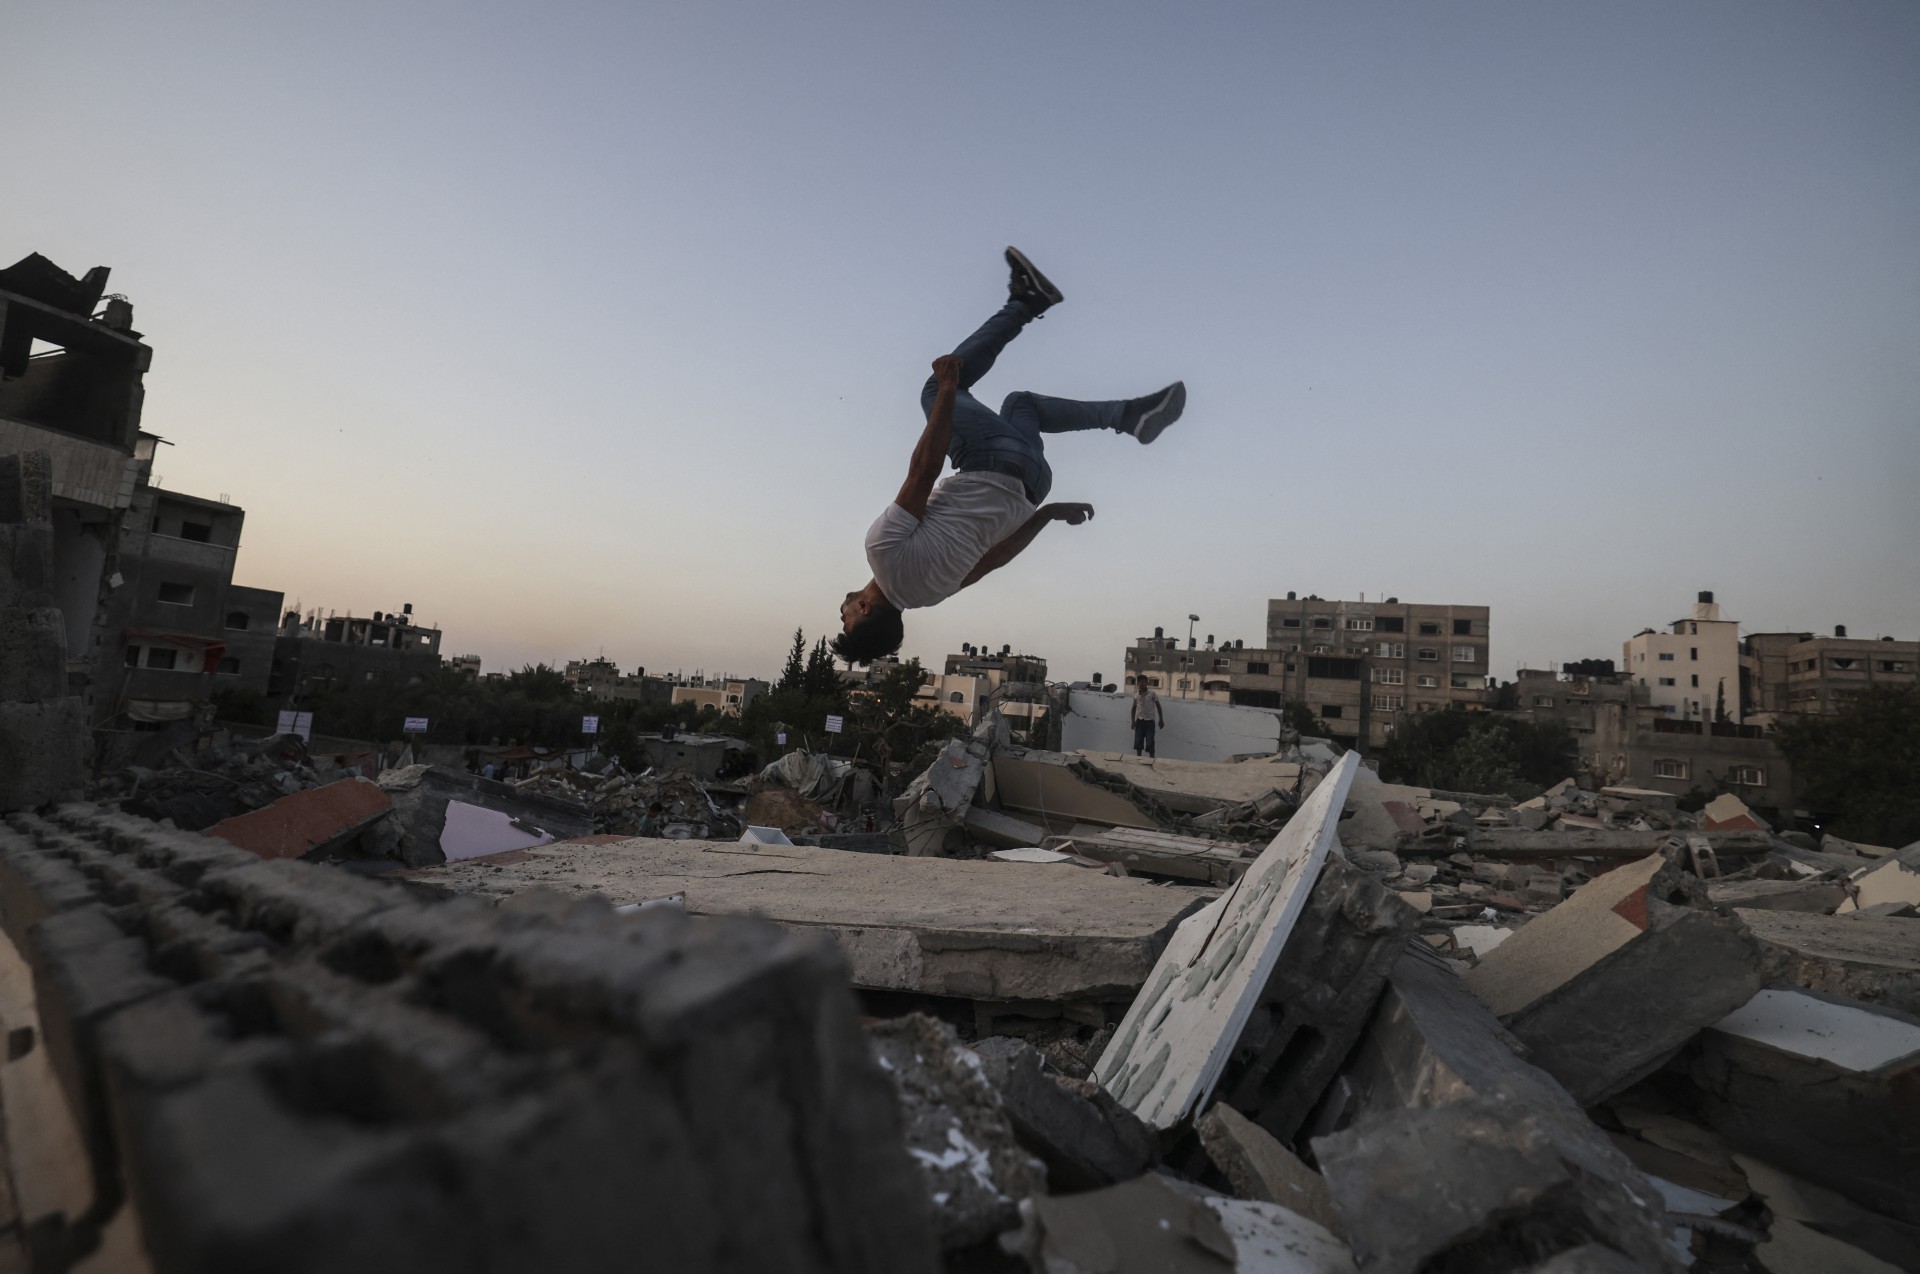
(43, 737)
(277, 1066)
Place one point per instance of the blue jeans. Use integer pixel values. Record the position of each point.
(1008, 441)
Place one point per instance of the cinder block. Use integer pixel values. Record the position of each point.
(33, 655)
(43, 753)
(26, 565)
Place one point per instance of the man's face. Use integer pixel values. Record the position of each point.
(851, 611)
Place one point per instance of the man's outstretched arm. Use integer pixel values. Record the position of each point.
(1008, 549)
(930, 453)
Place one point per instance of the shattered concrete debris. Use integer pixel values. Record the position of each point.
(930, 813)
(1156, 1225)
(1893, 879)
(1608, 985)
(1179, 1033)
(1157, 853)
(280, 1066)
(1823, 1083)
(1082, 1134)
(1814, 896)
(956, 1130)
(418, 833)
(1262, 1169)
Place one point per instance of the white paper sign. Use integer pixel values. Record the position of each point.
(416, 725)
(836, 725)
(300, 723)
(781, 738)
(589, 725)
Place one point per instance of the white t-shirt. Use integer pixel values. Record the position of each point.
(1146, 706)
(922, 561)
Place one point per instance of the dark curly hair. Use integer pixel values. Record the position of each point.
(876, 636)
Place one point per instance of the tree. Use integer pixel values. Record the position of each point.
(793, 674)
(890, 725)
(1299, 718)
(1478, 752)
(1720, 716)
(821, 678)
(1858, 769)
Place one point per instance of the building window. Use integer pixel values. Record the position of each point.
(1256, 668)
(1392, 649)
(1894, 665)
(956, 697)
(1289, 623)
(1426, 654)
(1428, 683)
(1581, 688)
(1693, 630)
(1156, 661)
(1429, 629)
(1359, 625)
(162, 657)
(1390, 676)
(1696, 681)
(1747, 776)
(1465, 654)
(1844, 665)
(1666, 681)
(199, 532)
(1668, 768)
(1334, 669)
(1390, 624)
(1693, 652)
(237, 621)
(133, 656)
(1459, 682)
(1666, 656)
(1543, 701)
(1332, 712)
(230, 666)
(176, 594)
(1321, 621)
(1388, 703)
(1319, 648)
(1222, 665)
(1463, 628)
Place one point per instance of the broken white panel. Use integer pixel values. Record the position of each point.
(1177, 1035)
(1271, 1239)
(1480, 939)
(1685, 1201)
(472, 831)
(756, 835)
(1030, 856)
(1849, 1036)
(1889, 880)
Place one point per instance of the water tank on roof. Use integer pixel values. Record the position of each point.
(1839, 630)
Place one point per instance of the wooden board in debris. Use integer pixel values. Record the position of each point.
(1176, 1038)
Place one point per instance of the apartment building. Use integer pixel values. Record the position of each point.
(317, 653)
(1359, 666)
(601, 678)
(1016, 684)
(1799, 672)
(729, 696)
(1691, 671)
(178, 628)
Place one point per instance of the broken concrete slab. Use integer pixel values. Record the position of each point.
(1002, 831)
(1590, 986)
(1198, 787)
(936, 926)
(1794, 1248)
(1727, 812)
(1871, 958)
(1813, 896)
(1562, 842)
(1824, 1083)
(1044, 785)
(1482, 940)
(1156, 1225)
(1795, 1198)
(1260, 1168)
(1895, 879)
(956, 1129)
(1834, 845)
(1157, 853)
(1486, 1184)
(315, 821)
(1085, 1138)
(1178, 1035)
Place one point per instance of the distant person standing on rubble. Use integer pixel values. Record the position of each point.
(1147, 712)
(932, 542)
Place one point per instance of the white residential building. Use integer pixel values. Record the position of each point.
(1691, 673)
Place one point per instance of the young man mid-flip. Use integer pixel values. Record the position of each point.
(931, 542)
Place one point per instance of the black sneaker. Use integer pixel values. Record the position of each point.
(1145, 418)
(1029, 286)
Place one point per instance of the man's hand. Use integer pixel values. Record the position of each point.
(1071, 514)
(946, 371)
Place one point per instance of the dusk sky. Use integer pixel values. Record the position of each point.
(600, 328)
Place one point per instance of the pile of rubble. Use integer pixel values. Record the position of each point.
(216, 776)
(618, 799)
(1643, 1073)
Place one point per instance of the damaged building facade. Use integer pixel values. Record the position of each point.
(318, 652)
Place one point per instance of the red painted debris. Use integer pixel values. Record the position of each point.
(294, 826)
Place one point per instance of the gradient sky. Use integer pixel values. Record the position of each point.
(600, 327)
